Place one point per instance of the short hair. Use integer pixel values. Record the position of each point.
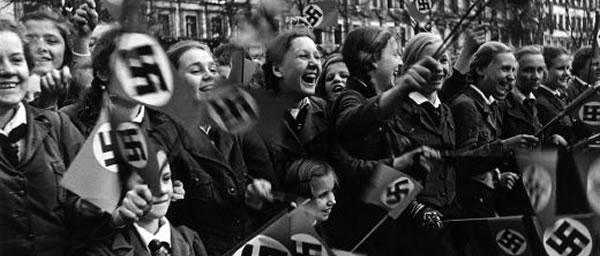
(63, 25)
(331, 59)
(276, 53)
(528, 50)
(302, 171)
(552, 52)
(484, 56)
(414, 48)
(10, 26)
(176, 50)
(581, 57)
(362, 48)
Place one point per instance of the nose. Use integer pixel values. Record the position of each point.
(338, 78)
(511, 76)
(6, 68)
(209, 75)
(331, 200)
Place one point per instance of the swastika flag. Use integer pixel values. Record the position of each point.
(321, 14)
(573, 235)
(419, 10)
(391, 189)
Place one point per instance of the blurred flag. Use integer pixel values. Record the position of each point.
(419, 9)
(538, 173)
(321, 14)
(587, 157)
(501, 236)
(305, 239)
(391, 189)
(587, 109)
(232, 108)
(242, 69)
(572, 235)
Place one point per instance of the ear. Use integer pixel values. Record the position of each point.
(102, 75)
(276, 69)
(480, 71)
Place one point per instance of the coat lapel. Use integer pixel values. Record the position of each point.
(418, 113)
(37, 129)
(179, 246)
(517, 110)
(204, 148)
(486, 112)
(315, 123)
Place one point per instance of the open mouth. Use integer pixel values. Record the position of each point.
(309, 78)
(206, 88)
(7, 85)
(337, 88)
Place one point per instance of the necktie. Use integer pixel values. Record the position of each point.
(9, 146)
(158, 248)
(297, 123)
(529, 105)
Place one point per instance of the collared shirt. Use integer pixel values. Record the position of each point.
(554, 92)
(294, 111)
(520, 96)
(419, 98)
(163, 234)
(19, 118)
(139, 117)
(488, 100)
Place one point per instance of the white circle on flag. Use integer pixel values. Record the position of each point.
(589, 113)
(538, 183)
(423, 6)
(135, 149)
(313, 14)
(258, 242)
(104, 149)
(143, 70)
(392, 196)
(511, 241)
(567, 237)
(301, 238)
(593, 186)
(232, 109)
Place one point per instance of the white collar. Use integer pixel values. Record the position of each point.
(520, 96)
(139, 117)
(205, 128)
(419, 98)
(163, 234)
(555, 92)
(19, 118)
(488, 100)
(304, 102)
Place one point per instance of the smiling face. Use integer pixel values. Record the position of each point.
(300, 68)
(13, 70)
(162, 200)
(559, 73)
(386, 66)
(46, 44)
(531, 72)
(441, 70)
(591, 71)
(499, 76)
(198, 68)
(335, 79)
(323, 196)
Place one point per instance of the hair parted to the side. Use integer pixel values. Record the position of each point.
(11, 26)
(581, 57)
(176, 50)
(63, 25)
(413, 50)
(362, 49)
(528, 50)
(276, 51)
(302, 171)
(552, 52)
(484, 56)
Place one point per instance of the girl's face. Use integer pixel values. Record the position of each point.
(499, 76)
(46, 44)
(559, 73)
(441, 70)
(161, 201)
(323, 196)
(13, 70)
(198, 68)
(387, 66)
(300, 68)
(335, 79)
(591, 70)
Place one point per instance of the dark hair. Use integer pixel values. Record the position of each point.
(224, 52)
(9, 25)
(331, 59)
(484, 56)
(276, 52)
(552, 52)
(301, 172)
(362, 48)
(176, 50)
(581, 56)
(64, 28)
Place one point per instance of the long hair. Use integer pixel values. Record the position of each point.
(552, 52)
(276, 53)
(363, 47)
(301, 172)
(484, 56)
(320, 91)
(65, 28)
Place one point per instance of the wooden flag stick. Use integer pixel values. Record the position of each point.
(370, 233)
(456, 28)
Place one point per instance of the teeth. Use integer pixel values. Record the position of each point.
(8, 85)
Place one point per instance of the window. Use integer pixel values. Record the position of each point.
(191, 24)
(165, 26)
(560, 22)
(375, 3)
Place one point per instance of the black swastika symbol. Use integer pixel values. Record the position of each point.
(262, 251)
(423, 5)
(106, 148)
(142, 64)
(560, 241)
(233, 111)
(307, 249)
(511, 241)
(396, 192)
(313, 15)
(591, 113)
(134, 148)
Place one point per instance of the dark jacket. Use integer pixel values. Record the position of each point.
(516, 119)
(184, 242)
(36, 211)
(549, 106)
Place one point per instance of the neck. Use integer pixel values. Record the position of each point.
(151, 226)
(292, 100)
(429, 95)
(6, 114)
(486, 91)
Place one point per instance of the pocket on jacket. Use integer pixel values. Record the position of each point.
(59, 171)
(200, 187)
